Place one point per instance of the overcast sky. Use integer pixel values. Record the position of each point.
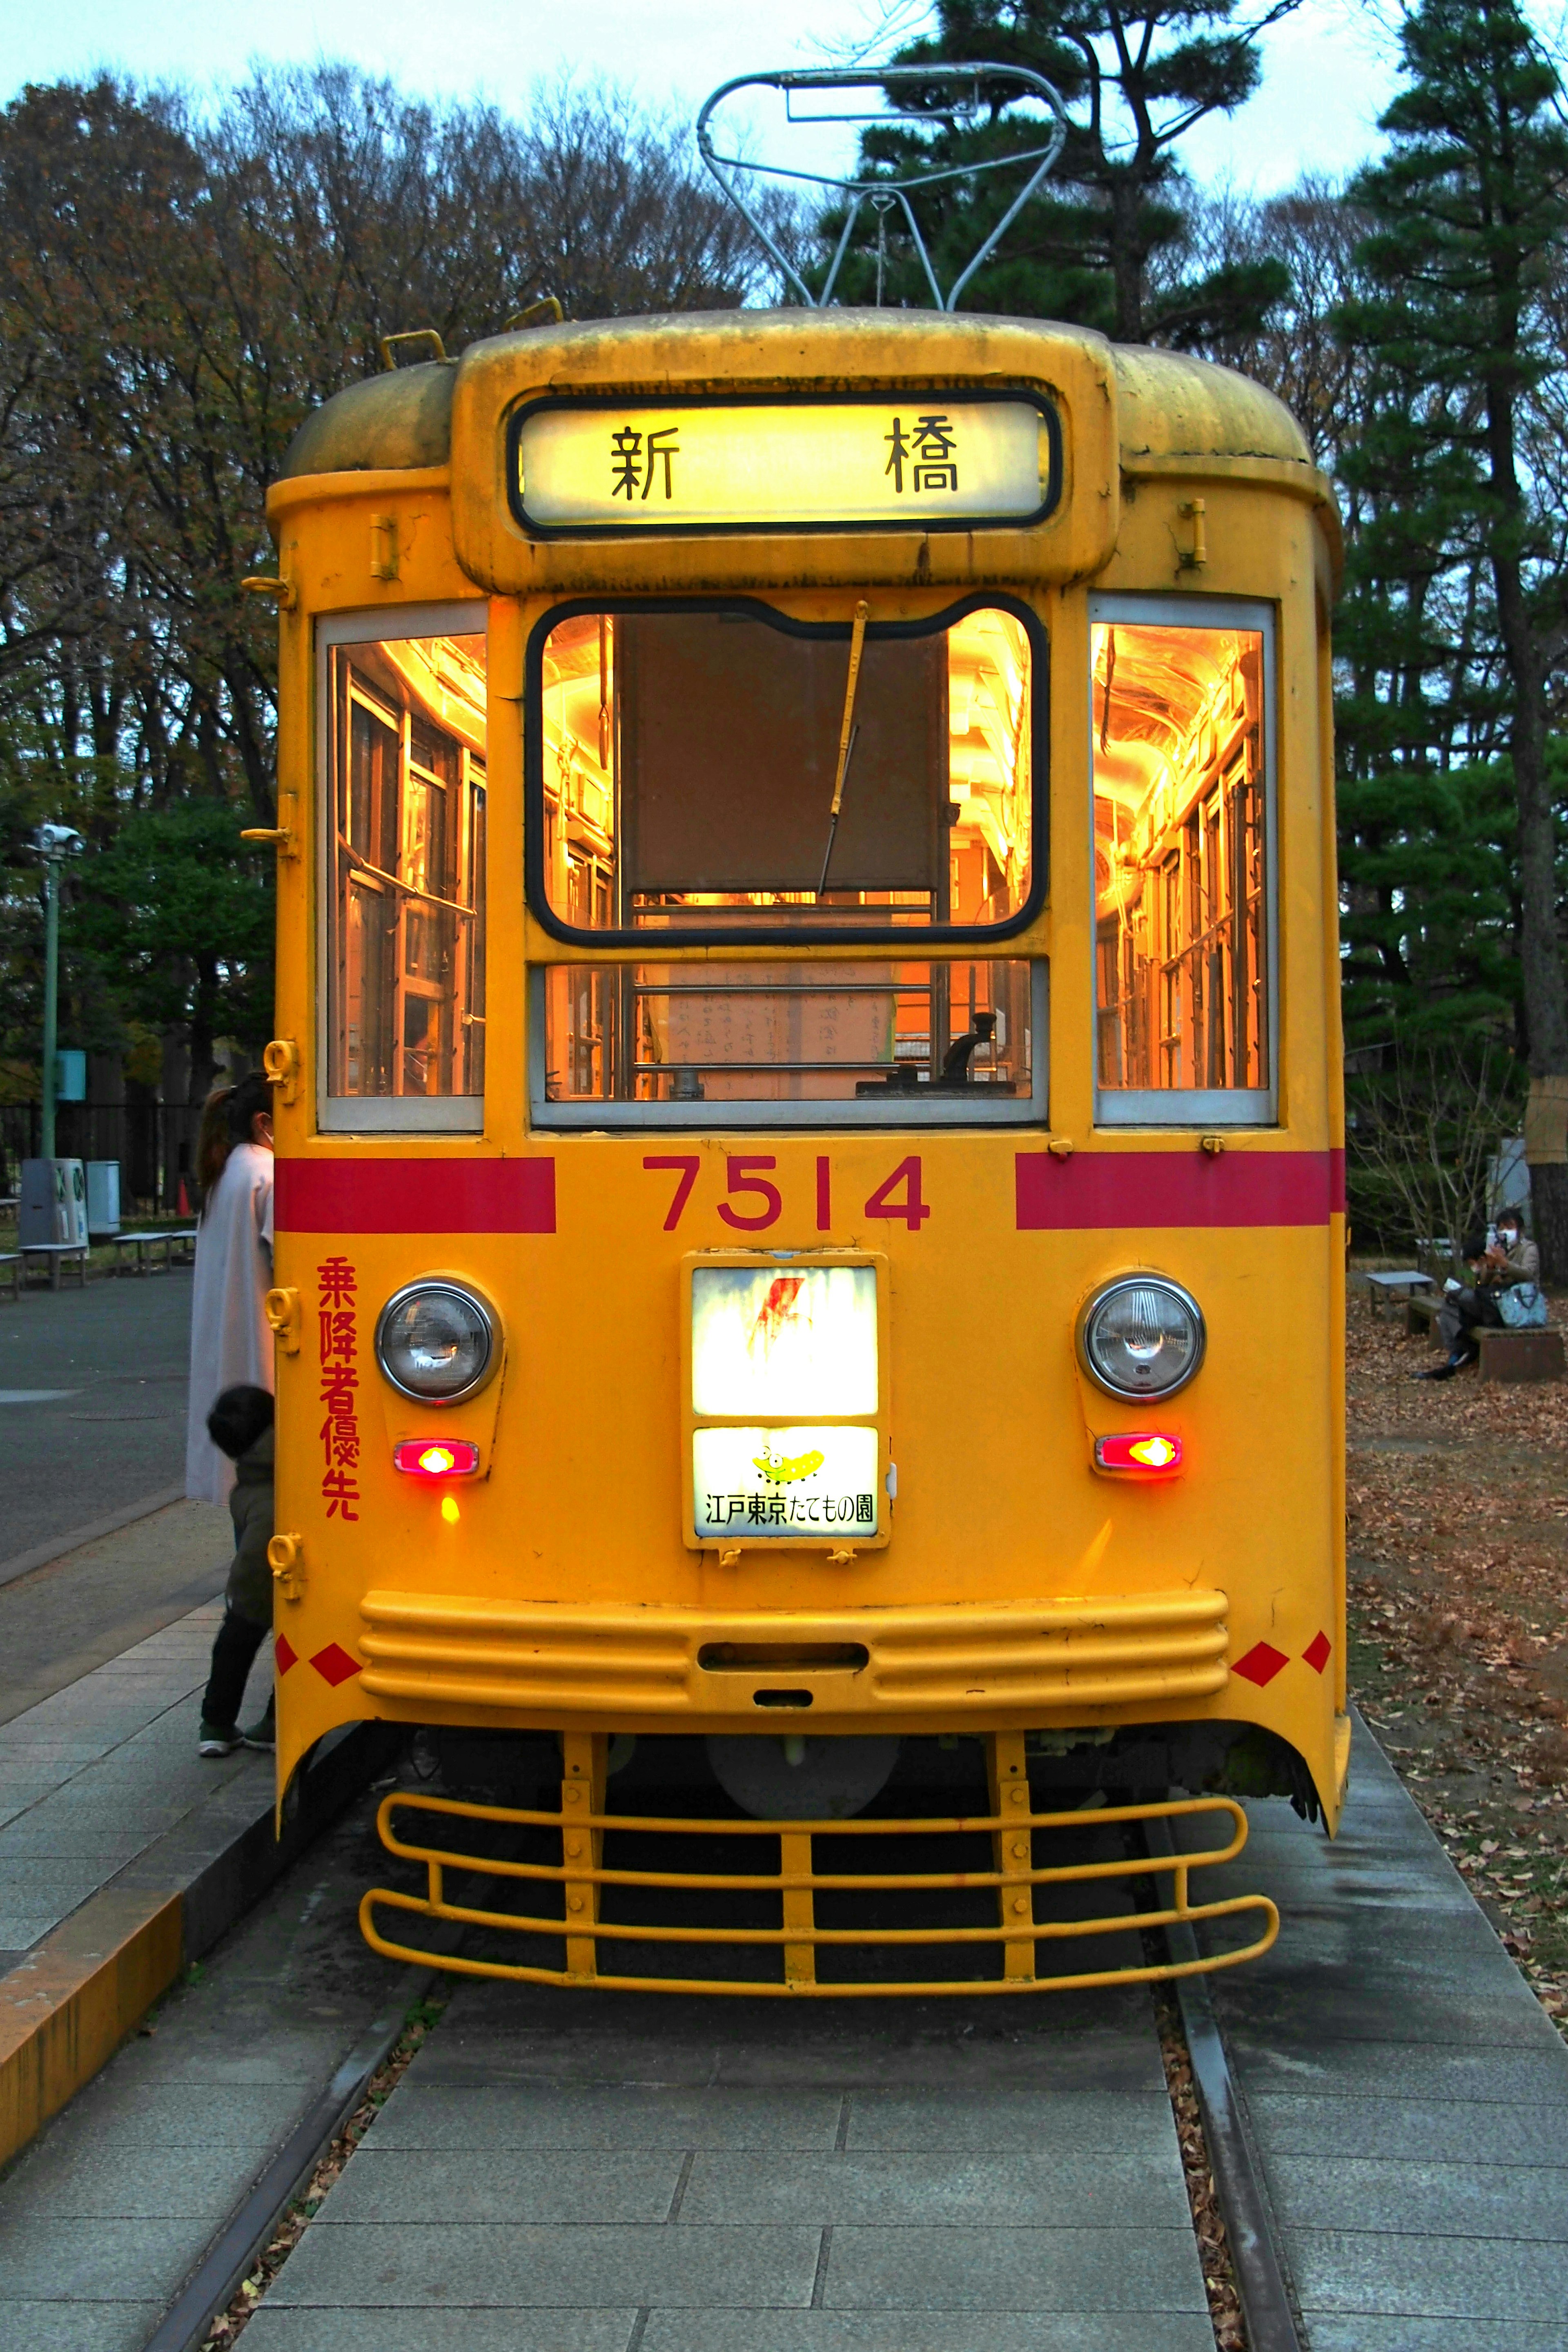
(1327, 69)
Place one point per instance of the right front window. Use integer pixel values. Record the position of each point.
(1183, 866)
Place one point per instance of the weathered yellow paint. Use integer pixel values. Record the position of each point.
(576, 1522)
(1011, 1824)
(67, 2006)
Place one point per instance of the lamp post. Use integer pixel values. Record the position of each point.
(54, 844)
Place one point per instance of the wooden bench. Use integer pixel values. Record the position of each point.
(1381, 1287)
(56, 1255)
(1534, 1355)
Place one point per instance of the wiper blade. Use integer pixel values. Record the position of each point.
(847, 734)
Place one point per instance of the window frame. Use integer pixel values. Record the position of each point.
(1192, 1107)
(913, 941)
(375, 1114)
(941, 1107)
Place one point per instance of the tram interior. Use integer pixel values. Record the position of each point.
(689, 768)
(408, 953)
(1179, 844)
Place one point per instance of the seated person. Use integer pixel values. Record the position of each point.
(1512, 1258)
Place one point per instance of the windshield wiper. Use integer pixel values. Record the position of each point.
(846, 735)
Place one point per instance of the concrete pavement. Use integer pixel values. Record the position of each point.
(1408, 2094)
(92, 1403)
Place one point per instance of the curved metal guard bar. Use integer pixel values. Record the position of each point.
(798, 1934)
(888, 78)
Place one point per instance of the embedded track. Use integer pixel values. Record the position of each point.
(675, 2170)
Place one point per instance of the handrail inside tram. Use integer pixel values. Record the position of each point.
(888, 190)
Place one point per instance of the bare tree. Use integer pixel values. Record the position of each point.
(1425, 1135)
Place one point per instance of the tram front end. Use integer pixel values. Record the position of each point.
(809, 1194)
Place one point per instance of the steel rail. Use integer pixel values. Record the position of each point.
(1241, 2185)
(216, 2277)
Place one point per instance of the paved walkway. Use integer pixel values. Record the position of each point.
(1407, 2091)
(106, 2215)
(92, 1776)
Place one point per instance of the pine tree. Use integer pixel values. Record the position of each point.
(1466, 214)
(1136, 79)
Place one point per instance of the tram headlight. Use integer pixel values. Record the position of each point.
(1142, 1336)
(436, 1341)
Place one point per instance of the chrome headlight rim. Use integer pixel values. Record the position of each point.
(451, 1288)
(1101, 1297)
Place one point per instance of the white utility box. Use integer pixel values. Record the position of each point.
(103, 1198)
(53, 1206)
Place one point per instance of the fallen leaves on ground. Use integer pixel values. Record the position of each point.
(1458, 1503)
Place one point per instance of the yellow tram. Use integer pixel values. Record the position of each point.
(810, 1191)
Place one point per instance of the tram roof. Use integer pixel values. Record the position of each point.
(1172, 410)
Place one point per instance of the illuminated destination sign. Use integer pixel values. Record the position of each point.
(919, 460)
(776, 1342)
(792, 1484)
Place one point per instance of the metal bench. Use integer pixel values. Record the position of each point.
(141, 1246)
(56, 1255)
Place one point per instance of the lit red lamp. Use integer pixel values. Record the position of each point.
(1142, 1452)
(429, 1457)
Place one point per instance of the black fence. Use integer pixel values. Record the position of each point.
(154, 1142)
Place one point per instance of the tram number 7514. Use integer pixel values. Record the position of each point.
(753, 1203)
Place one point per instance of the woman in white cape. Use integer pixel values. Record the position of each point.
(231, 1342)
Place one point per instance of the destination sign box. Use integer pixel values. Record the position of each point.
(919, 460)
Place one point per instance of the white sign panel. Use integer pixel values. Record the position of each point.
(784, 1339)
(920, 460)
(785, 1484)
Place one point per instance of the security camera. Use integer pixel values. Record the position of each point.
(57, 841)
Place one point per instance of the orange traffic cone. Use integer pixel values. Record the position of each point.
(183, 1203)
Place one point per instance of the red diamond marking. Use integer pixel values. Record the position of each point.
(1316, 1652)
(334, 1665)
(1261, 1664)
(285, 1653)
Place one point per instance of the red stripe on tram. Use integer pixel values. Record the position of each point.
(414, 1196)
(1097, 1190)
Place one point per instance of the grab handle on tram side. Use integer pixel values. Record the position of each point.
(283, 591)
(285, 1557)
(280, 1060)
(282, 1308)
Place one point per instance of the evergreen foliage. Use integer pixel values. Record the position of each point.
(1089, 247)
(1454, 595)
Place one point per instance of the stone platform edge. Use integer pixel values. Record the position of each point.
(69, 2005)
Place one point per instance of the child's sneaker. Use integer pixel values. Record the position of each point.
(217, 1739)
(263, 1733)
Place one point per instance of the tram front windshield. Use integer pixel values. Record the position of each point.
(690, 763)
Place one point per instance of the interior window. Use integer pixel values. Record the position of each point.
(822, 1031)
(691, 763)
(1181, 879)
(408, 853)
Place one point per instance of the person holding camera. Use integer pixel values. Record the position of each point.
(1497, 1265)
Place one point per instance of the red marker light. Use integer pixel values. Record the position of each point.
(448, 1457)
(1146, 1451)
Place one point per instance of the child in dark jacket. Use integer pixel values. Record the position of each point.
(240, 1426)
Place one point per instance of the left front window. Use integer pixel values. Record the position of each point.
(405, 756)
